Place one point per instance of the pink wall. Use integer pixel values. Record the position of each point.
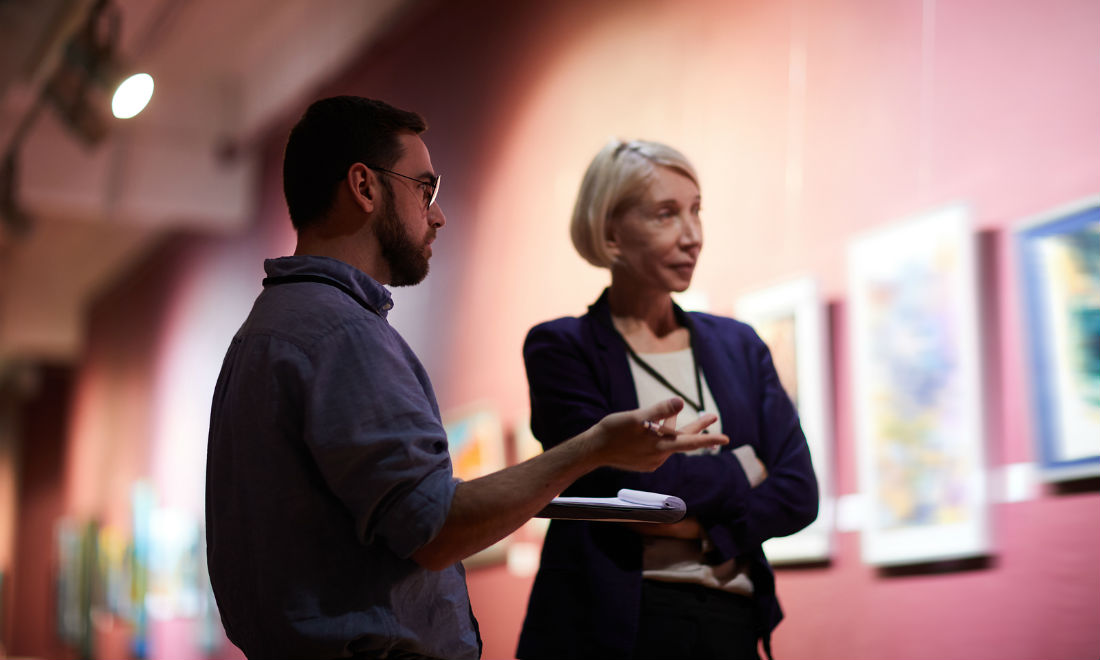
(809, 122)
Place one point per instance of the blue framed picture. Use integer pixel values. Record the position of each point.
(1059, 259)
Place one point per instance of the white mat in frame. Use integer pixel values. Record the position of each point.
(916, 385)
(790, 318)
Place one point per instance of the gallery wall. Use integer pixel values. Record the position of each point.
(810, 123)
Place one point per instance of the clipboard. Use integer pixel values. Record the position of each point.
(628, 506)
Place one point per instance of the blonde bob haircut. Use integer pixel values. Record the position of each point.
(616, 180)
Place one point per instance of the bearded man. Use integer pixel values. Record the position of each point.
(335, 526)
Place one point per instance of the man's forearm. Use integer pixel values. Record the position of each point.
(486, 509)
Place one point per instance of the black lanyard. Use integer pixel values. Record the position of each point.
(698, 407)
(320, 279)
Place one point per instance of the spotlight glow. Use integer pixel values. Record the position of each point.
(132, 95)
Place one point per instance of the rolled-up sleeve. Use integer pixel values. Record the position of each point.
(374, 432)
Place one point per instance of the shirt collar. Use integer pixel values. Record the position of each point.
(360, 284)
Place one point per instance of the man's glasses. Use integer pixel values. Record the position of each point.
(429, 188)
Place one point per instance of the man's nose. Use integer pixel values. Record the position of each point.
(435, 216)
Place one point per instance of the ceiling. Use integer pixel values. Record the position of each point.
(224, 72)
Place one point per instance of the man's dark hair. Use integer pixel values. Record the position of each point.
(332, 135)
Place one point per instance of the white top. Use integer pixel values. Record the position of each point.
(677, 369)
(680, 560)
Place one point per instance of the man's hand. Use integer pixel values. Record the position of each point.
(487, 509)
(641, 440)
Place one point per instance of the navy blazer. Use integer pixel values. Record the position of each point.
(586, 598)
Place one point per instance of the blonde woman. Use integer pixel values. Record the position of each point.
(701, 588)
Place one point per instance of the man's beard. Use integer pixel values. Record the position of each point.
(406, 259)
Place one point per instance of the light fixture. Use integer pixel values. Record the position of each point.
(132, 95)
(89, 78)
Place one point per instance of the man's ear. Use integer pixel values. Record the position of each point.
(363, 185)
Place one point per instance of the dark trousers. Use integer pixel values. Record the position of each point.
(682, 620)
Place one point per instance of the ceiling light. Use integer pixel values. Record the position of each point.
(132, 95)
(90, 82)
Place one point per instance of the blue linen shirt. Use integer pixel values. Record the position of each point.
(327, 468)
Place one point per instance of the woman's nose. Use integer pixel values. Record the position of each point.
(691, 231)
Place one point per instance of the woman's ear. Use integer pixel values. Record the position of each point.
(611, 241)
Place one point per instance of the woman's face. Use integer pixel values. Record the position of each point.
(658, 240)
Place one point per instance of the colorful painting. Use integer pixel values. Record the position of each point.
(143, 500)
(174, 564)
(76, 566)
(777, 329)
(916, 381)
(111, 595)
(475, 435)
(527, 447)
(1059, 258)
(790, 318)
(476, 439)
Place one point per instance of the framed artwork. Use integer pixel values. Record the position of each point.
(1059, 272)
(527, 446)
(172, 591)
(475, 435)
(476, 438)
(790, 318)
(112, 585)
(76, 567)
(143, 502)
(524, 553)
(913, 343)
(71, 583)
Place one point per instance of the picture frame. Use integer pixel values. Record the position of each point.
(916, 389)
(790, 317)
(475, 437)
(1058, 259)
(72, 584)
(526, 444)
(527, 447)
(524, 552)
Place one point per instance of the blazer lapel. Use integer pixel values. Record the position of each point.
(612, 356)
(708, 354)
